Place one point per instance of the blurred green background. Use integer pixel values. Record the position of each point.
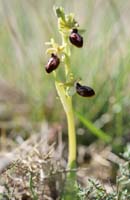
(103, 63)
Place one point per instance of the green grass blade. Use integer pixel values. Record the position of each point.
(96, 131)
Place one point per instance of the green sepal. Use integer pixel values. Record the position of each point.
(59, 11)
(81, 31)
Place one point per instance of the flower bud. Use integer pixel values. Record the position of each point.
(84, 91)
(75, 38)
(53, 63)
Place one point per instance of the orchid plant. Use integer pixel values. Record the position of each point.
(61, 54)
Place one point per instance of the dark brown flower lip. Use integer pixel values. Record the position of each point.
(84, 91)
(53, 63)
(76, 39)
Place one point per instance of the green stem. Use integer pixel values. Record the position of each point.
(69, 190)
(67, 105)
(71, 135)
(66, 100)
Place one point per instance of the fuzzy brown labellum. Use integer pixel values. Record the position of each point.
(53, 63)
(75, 38)
(84, 91)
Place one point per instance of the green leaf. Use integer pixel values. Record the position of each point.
(98, 132)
